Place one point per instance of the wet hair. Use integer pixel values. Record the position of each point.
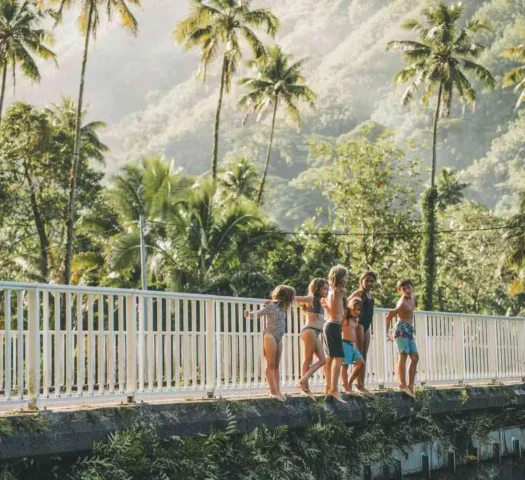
(336, 275)
(315, 286)
(366, 273)
(351, 304)
(404, 282)
(283, 295)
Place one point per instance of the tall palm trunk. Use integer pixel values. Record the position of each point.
(263, 181)
(76, 156)
(428, 248)
(2, 92)
(217, 122)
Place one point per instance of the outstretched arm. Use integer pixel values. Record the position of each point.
(308, 301)
(257, 313)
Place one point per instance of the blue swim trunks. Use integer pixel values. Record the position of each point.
(404, 337)
(352, 353)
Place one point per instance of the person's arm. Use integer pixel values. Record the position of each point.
(390, 316)
(257, 313)
(308, 301)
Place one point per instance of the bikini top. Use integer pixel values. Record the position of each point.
(316, 306)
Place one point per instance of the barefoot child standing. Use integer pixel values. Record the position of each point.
(274, 313)
(352, 354)
(311, 331)
(404, 335)
(333, 340)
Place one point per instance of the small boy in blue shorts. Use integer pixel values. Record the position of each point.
(404, 335)
(352, 354)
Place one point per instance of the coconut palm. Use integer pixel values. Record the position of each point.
(277, 80)
(88, 21)
(515, 236)
(20, 38)
(449, 189)
(239, 179)
(516, 76)
(221, 23)
(438, 64)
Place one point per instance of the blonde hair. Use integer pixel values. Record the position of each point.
(314, 288)
(283, 295)
(336, 275)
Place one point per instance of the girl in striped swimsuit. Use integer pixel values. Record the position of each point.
(274, 314)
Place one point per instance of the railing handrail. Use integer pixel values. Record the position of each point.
(199, 296)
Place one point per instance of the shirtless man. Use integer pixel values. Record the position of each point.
(404, 335)
(352, 354)
(332, 335)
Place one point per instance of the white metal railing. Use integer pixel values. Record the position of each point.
(84, 344)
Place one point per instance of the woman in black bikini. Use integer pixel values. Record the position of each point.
(367, 282)
(311, 331)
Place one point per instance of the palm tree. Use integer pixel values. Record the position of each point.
(449, 189)
(89, 21)
(239, 179)
(515, 236)
(20, 37)
(438, 63)
(277, 79)
(516, 76)
(217, 23)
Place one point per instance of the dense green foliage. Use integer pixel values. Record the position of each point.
(326, 449)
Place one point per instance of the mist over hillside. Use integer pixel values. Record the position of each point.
(146, 89)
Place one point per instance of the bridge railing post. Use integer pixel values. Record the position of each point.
(459, 348)
(131, 347)
(33, 347)
(492, 348)
(211, 347)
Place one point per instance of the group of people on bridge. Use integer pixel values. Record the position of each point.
(337, 332)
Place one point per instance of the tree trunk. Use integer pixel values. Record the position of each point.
(263, 181)
(215, 152)
(76, 157)
(2, 92)
(428, 250)
(41, 230)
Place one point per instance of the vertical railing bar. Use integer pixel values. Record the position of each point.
(168, 345)
(58, 345)
(186, 346)
(234, 346)
(131, 346)
(91, 346)
(202, 346)
(159, 344)
(20, 346)
(46, 364)
(226, 344)
(193, 346)
(111, 345)
(8, 353)
(150, 354)
(101, 345)
(141, 343)
(177, 343)
(242, 346)
(80, 347)
(121, 345)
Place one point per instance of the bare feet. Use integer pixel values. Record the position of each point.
(406, 391)
(412, 389)
(336, 396)
(305, 388)
(363, 391)
(349, 391)
(277, 396)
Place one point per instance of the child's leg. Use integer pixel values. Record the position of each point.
(334, 381)
(328, 374)
(270, 352)
(401, 369)
(321, 360)
(359, 365)
(414, 359)
(308, 337)
(364, 352)
(344, 377)
(277, 381)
